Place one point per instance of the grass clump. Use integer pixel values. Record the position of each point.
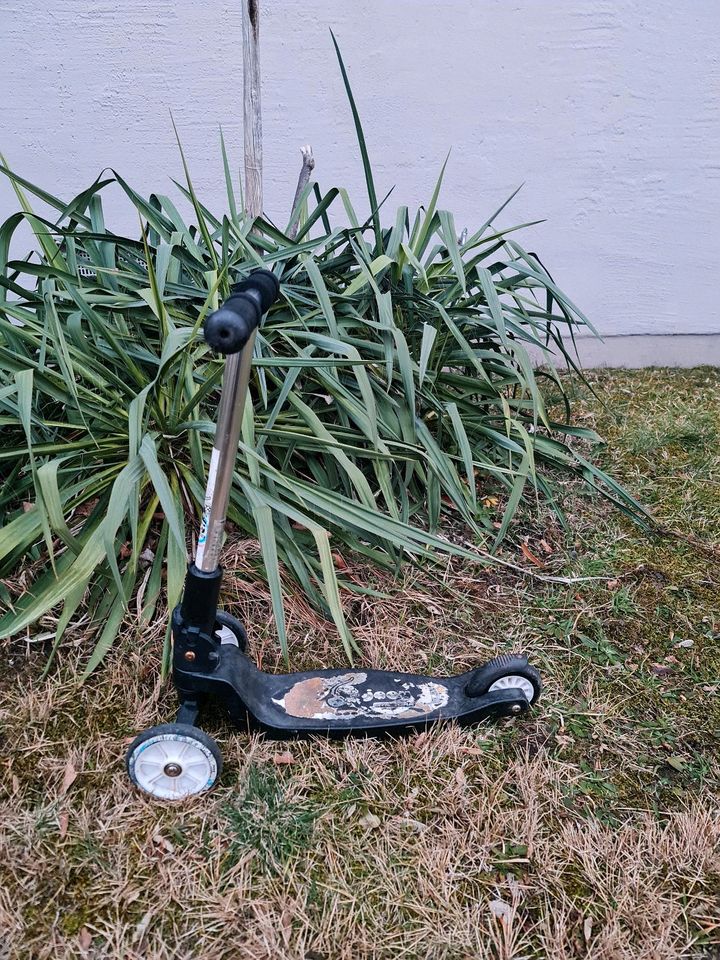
(266, 821)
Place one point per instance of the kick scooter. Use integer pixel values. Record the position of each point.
(178, 759)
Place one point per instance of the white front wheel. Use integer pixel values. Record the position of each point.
(173, 761)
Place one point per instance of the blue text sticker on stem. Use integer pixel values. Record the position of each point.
(203, 529)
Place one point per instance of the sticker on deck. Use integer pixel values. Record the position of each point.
(349, 695)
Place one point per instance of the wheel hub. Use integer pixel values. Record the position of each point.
(173, 765)
(515, 682)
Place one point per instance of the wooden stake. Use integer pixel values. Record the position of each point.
(252, 114)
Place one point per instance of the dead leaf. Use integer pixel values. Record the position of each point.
(612, 585)
(370, 821)
(490, 501)
(85, 939)
(545, 546)
(412, 797)
(432, 607)
(86, 508)
(63, 822)
(283, 759)
(286, 918)
(531, 556)
(660, 671)
(685, 643)
(417, 826)
(339, 561)
(69, 778)
(500, 909)
(587, 928)
(677, 763)
(141, 928)
(163, 843)
(125, 551)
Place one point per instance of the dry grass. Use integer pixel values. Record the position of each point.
(590, 829)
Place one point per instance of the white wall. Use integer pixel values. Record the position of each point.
(607, 109)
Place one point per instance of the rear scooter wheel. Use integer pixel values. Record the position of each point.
(507, 672)
(230, 630)
(173, 761)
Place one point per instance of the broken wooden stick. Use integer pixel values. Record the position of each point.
(308, 166)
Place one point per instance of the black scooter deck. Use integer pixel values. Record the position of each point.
(343, 702)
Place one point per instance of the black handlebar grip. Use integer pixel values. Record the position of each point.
(262, 282)
(228, 329)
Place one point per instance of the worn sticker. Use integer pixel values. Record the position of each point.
(351, 695)
(209, 492)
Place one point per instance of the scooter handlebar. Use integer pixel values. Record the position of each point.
(229, 328)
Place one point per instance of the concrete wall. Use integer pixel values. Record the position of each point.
(606, 109)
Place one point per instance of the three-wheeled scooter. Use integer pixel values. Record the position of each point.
(210, 659)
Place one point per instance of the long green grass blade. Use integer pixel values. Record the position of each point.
(369, 180)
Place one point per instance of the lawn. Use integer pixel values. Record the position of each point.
(589, 829)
